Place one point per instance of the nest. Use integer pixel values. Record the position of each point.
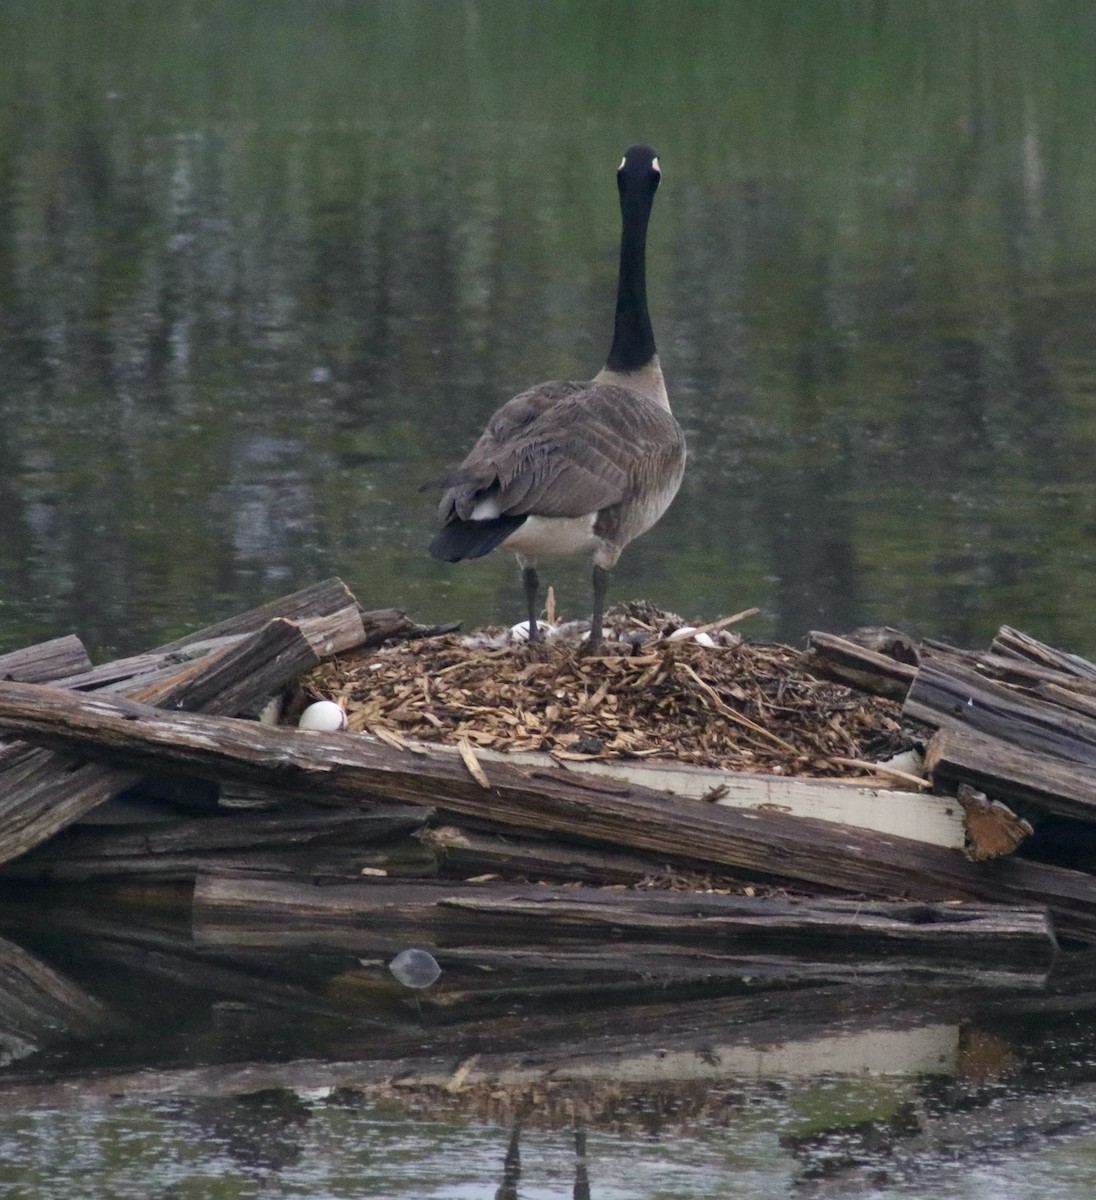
(652, 692)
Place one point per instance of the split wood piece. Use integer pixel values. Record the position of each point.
(344, 769)
(1013, 643)
(42, 791)
(328, 634)
(1012, 774)
(312, 844)
(46, 661)
(464, 852)
(38, 1005)
(933, 819)
(993, 829)
(838, 658)
(959, 698)
(972, 932)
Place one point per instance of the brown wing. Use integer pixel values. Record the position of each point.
(560, 450)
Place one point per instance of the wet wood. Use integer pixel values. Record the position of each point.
(39, 1005)
(311, 844)
(973, 932)
(961, 698)
(42, 791)
(344, 769)
(46, 661)
(859, 666)
(464, 852)
(1010, 773)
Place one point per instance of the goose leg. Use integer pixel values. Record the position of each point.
(531, 582)
(601, 582)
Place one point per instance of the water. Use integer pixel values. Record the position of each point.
(264, 269)
(263, 273)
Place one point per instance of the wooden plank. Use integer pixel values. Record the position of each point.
(970, 932)
(342, 768)
(46, 661)
(937, 820)
(1011, 773)
(961, 698)
(43, 791)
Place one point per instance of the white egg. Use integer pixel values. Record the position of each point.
(705, 639)
(679, 635)
(325, 716)
(520, 631)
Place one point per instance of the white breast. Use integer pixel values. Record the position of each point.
(545, 537)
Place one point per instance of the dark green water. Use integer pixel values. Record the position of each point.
(264, 269)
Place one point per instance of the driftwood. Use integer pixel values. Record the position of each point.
(38, 1005)
(345, 769)
(540, 914)
(962, 698)
(957, 755)
(859, 666)
(307, 845)
(1012, 643)
(45, 662)
(42, 791)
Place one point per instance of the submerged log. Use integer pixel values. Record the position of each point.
(345, 769)
(542, 914)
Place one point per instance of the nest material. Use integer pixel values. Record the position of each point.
(736, 706)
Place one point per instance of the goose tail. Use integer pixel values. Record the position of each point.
(472, 539)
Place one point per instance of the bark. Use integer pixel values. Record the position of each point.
(345, 769)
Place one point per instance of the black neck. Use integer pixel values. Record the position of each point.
(633, 339)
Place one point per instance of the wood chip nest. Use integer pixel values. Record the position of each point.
(736, 706)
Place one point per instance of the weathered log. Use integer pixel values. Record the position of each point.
(719, 922)
(839, 658)
(1012, 643)
(310, 845)
(1007, 772)
(38, 1005)
(42, 791)
(344, 769)
(962, 698)
(465, 852)
(46, 661)
(886, 810)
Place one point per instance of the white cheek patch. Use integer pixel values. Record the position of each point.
(622, 162)
(654, 163)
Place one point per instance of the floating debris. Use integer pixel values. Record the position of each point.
(415, 968)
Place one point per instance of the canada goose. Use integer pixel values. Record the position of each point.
(577, 468)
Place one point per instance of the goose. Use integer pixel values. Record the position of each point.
(577, 467)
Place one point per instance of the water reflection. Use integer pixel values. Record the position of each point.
(311, 1067)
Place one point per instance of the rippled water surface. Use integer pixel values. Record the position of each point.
(266, 268)
(263, 272)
